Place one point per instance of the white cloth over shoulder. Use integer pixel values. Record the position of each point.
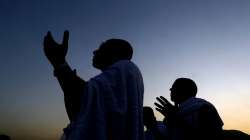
(190, 112)
(112, 106)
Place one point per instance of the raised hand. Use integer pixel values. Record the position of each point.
(165, 107)
(55, 52)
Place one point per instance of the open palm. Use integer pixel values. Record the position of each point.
(55, 52)
(165, 107)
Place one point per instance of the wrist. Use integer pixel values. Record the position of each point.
(62, 69)
(60, 64)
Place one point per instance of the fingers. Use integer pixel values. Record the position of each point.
(164, 106)
(50, 38)
(166, 101)
(161, 111)
(46, 42)
(159, 106)
(162, 102)
(65, 37)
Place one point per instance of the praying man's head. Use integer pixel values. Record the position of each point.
(183, 89)
(110, 52)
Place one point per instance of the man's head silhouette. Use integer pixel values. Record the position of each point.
(183, 89)
(110, 52)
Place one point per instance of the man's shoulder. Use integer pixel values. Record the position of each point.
(122, 67)
(202, 102)
(194, 105)
(124, 64)
(205, 104)
(209, 111)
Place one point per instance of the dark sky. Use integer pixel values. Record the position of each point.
(206, 40)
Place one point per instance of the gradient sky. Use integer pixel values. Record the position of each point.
(206, 40)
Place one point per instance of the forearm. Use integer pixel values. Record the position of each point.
(72, 87)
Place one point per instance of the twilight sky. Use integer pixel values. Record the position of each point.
(206, 40)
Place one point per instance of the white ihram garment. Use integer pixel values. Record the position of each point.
(111, 106)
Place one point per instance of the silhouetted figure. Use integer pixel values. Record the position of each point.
(110, 105)
(191, 117)
(4, 137)
(156, 130)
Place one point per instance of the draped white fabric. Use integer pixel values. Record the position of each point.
(112, 104)
(190, 112)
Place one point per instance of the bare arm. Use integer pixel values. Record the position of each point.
(72, 87)
(70, 83)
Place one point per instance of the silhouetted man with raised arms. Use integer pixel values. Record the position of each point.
(109, 106)
(191, 118)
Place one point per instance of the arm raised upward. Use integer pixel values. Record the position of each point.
(71, 84)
